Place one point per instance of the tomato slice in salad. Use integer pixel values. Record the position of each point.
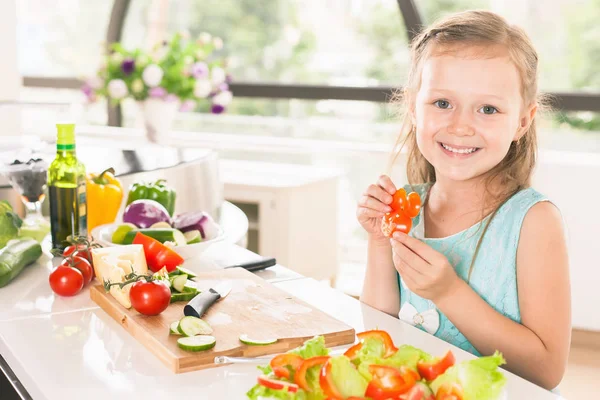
(449, 391)
(300, 376)
(432, 369)
(277, 385)
(389, 382)
(327, 384)
(388, 343)
(282, 363)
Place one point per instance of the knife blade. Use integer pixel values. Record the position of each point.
(254, 266)
(202, 302)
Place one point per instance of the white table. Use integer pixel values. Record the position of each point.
(68, 348)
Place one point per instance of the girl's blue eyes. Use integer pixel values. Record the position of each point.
(444, 105)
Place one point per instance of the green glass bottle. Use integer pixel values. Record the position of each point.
(66, 188)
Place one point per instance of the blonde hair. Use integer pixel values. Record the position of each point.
(483, 29)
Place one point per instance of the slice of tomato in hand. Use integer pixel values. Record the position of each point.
(157, 254)
(66, 281)
(449, 391)
(388, 343)
(432, 369)
(150, 298)
(327, 384)
(82, 265)
(395, 221)
(413, 205)
(389, 382)
(277, 385)
(282, 363)
(399, 200)
(300, 376)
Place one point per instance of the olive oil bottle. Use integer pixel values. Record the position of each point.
(66, 188)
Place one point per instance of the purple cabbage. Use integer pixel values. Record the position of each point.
(144, 213)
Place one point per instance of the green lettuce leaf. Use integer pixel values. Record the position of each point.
(260, 391)
(346, 378)
(312, 348)
(480, 379)
(372, 353)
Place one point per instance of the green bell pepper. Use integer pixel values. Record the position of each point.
(157, 191)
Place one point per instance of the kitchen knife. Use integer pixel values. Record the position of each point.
(199, 304)
(254, 266)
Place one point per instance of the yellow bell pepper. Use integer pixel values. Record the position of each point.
(104, 197)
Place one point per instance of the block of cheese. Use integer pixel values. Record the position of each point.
(128, 258)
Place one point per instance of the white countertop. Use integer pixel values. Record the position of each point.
(68, 348)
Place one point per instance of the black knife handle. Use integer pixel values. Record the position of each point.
(199, 304)
(254, 266)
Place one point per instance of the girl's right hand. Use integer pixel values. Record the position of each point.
(374, 204)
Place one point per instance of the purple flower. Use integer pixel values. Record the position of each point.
(187, 105)
(128, 66)
(87, 89)
(223, 87)
(171, 97)
(157, 92)
(217, 109)
(199, 70)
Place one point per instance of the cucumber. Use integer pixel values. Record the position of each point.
(173, 328)
(192, 326)
(193, 237)
(179, 282)
(196, 343)
(16, 255)
(185, 296)
(161, 224)
(160, 234)
(190, 287)
(186, 271)
(255, 342)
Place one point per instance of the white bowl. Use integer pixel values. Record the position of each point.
(102, 235)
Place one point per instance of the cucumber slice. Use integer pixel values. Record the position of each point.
(192, 326)
(255, 342)
(179, 282)
(192, 237)
(196, 343)
(161, 224)
(185, 296)
(189, 287)
(181, 270)
(173, 328)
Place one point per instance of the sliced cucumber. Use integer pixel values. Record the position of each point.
(173, 328)
(192, 237)
(161, 224)
(179, 282)
(255, 342)
(163, 235)
(186, 271)
(192, 326)
(196, 343)
(185, 296)
(189, 287)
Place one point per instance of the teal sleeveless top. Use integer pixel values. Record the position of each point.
(494, 274)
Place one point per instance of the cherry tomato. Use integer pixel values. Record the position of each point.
(66, 281)
(399, 200)
(150, 298)
(300, 376)
(282, 363)
(431, 370)
(413, 205)
(82, 265)
(389, 382)
(391, 223)
(327, 383)
(449, 391)
(277, 385)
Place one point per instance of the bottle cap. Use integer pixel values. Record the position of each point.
(66, 136)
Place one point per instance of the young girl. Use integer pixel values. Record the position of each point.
(485, 266)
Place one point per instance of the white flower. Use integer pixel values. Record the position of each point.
(137, 86)
(142, 60)
(117, 89)
(223, 98)
(152, 75)
(116, 58)
(202, 88)
(200, 54)
(204, 37)
(217, 75)
(218, 43)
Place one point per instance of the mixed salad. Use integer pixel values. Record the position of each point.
(376, 369)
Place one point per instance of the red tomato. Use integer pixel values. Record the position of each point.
(157, 254)
(431, 370)
(82, 265)
(300, 377)
(389, 382)
(391, 223)
(326, 383)
(399, 200)
(277, 385)
(66, 281)
(150, 298)
(449, 391)
(390, 349)
(413, 205)
(71, 249)
(282, 363)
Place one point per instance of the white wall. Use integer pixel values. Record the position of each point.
(10, 80)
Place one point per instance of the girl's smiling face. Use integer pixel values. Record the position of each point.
(467, 111)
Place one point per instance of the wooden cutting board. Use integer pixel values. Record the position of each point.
(253, 307)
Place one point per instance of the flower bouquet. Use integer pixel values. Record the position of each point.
(176, 75)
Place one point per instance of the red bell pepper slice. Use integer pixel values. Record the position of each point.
(327, 384)
(449, 391)
(279, 364)
(432, 369)
(277, 385)
(388, 343)
(157, 254)
(300, 376)
(389, 382)
(351, 352)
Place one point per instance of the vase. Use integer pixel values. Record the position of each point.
(158, 116)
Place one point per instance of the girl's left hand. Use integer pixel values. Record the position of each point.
(426, 272)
